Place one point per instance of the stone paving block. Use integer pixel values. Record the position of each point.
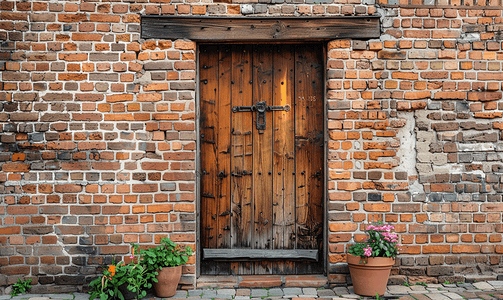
(309, 291)
(180, 294)
(456, 289)
(417, 288)
(398, 289)
(420, 296)
(349, 296)
(483, 286)
(454, 296)
(81, 296)
(226, 292)
(208, 294)
(438, 296)
(258, 292)
(465, 285)
(4, 297)
(223, 296)
(434, 286)
(496, 284)
(61, 296)
(242, 298)
(484, 296)
(449, 285)
(25, 296)
(340, 290)
(36, 298)
(468, 295)
(275, 292)
(325, 293)
(292, 292)
(195, 293)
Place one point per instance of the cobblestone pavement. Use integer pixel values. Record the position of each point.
(478, 290)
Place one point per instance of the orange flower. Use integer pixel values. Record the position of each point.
(111, 269)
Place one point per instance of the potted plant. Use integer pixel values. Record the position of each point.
(370, 261)
(165, 263)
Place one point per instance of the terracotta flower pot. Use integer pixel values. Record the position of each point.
(168, 279)
(369, 274)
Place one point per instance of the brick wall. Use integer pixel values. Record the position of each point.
(414, 123)
(98, 135)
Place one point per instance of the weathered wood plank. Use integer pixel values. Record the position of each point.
(283, 148)
(260, 254)
(309, 147)
(284, 156)
(224, 147)
(259, 29)
(209, 123)
(262, 154)
(242, 148)
(262, 146)
(313, 238)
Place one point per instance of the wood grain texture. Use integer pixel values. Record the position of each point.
(242, 148)
(262, 155)
(309, 147)
(265, 191)
(259, 29)
(224, 147)
(259, 253)
(284, 155)
(209, 123)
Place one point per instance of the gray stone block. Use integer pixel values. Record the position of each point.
(288, 292)
(258, 292)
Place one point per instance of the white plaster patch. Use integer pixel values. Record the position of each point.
(476, 147)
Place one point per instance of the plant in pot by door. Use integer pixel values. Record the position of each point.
(370, 261)
(121, 281)
(164, 264)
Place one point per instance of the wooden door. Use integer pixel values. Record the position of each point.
(262, 170)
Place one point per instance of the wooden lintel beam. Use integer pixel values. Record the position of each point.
(260, 254)
(259, 29)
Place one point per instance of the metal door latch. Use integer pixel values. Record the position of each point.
(242, 108)
(261, 108)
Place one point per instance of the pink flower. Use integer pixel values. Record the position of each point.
(367, 251)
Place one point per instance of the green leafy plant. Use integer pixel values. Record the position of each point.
(137, 275)
(380, 242)
(121, 277)
(107, 286)
(422, 283)
(377, 296)
(447, 282)
(168, 254)
(20, 287)
(406, 284)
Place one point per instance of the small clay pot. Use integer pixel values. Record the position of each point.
(369, 274)
(167, 281)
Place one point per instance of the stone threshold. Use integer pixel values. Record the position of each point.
(261, 281)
